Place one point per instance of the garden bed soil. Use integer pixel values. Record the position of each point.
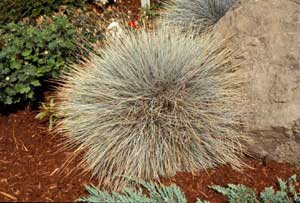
(32, 167)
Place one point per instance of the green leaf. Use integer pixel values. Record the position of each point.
(25, 89)
(8, 100)
(52, 45)
(15, 65)
(10, 91)
(51, 62)
(42, 70)
(41, 61)
(26, 52)
(19, 86)
(41, 115)
(35, 83)
(30, 94)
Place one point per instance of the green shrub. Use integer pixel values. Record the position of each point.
(32, 54)
(15, 10)
(88, 23)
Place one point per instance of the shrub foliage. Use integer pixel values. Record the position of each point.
(16, 10)
(31, 54)
(288, 193)
(156, 194)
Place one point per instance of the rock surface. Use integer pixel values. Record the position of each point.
(268, 35)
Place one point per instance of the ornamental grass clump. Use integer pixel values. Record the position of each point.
(152, 104)
(196, 14)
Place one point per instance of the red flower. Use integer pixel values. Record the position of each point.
(133, 24)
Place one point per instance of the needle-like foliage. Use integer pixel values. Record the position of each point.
(196, 14)
(157, 193)
(153, 104)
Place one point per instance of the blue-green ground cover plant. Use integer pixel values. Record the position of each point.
(288, 193)
(157, 193)
(153, 104)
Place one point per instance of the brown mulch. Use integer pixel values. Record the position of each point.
(262, 174)
(32, 162)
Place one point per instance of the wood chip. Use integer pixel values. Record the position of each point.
(53, 172)
(8, 196)
(14, 137)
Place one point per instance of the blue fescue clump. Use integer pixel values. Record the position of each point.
(153, 104)
(196, 14)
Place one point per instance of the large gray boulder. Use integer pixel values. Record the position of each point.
(268, 35)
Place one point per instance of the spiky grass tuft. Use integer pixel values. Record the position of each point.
(154, 104)
(199, 15)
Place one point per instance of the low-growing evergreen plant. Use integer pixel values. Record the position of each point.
(153, 104)
(288, 193)
(155, 194)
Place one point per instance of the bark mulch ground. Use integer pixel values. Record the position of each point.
(32, 167)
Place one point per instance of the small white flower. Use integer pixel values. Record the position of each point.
(7, 78)
(145, 3)
(114, 29)
(104, 1)
(46, 52)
